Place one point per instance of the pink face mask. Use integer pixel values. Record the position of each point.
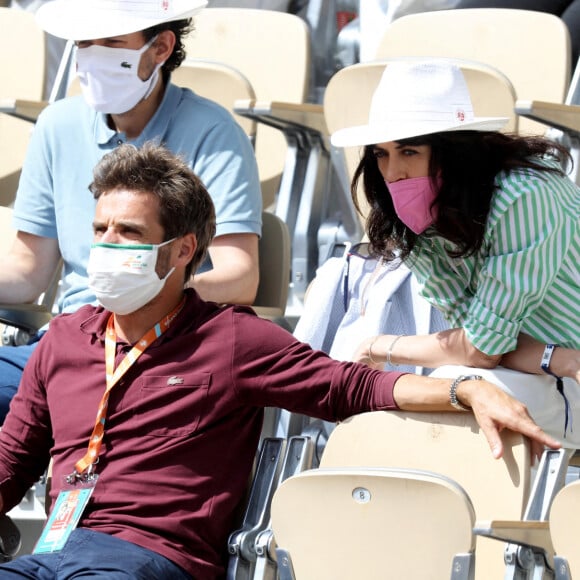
(412, 199)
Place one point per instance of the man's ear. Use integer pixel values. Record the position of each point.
(186, 249)
(163, 45)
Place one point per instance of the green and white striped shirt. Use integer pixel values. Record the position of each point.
(525, 278)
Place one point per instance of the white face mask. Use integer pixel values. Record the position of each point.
(123, 276)
(109, 77)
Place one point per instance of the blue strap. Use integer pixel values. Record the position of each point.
(545, 366)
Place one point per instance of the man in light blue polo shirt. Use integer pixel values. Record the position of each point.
(125, 54)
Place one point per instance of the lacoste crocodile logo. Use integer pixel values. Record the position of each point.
(125, 64)
(175, 381)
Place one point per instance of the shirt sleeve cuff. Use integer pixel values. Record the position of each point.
(489, 332)
(386, 401)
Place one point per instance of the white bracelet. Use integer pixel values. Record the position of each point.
(547, 358)
(390, 351)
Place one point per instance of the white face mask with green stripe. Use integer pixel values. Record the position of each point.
(123, 276)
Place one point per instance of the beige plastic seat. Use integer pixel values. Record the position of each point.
(349, 93)
(23, 74)
(565, 526)
(531, 48)
(219, 82)
(553, 539)
(447, 443)
(271, 49)
(563, 117)
(274, 251)
(336, 524)
(23, 78)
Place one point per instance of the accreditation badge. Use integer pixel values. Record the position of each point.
(63, 519)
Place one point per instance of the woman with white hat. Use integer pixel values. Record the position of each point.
(489, 224)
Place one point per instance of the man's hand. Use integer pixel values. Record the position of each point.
(495, 410)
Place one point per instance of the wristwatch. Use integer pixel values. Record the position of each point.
(455, 402)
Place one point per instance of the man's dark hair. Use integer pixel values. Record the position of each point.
(185, 205)
(180, 28)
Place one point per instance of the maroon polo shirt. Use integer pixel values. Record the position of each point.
(182, 425)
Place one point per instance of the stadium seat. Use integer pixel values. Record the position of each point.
(274, 251)
(450, 444)
(272, 50)
(372, 523)
(531, 48)
(22, 78)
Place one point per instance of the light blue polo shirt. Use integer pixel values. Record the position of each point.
(68, 140)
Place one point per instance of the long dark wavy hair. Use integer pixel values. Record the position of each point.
(467, 162)
(181, 28)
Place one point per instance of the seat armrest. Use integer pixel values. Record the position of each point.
(563, 117)
(22, 109)
(30, 317)
(534, 534)
(305, 116)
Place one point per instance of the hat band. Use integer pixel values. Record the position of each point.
(156, 9)
(458, 116)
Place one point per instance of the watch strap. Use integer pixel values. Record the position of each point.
(455, 402)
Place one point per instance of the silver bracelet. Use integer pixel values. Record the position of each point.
(371, 350)
(390, 351)
(455, 402)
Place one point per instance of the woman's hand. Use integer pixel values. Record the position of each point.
(365, 355)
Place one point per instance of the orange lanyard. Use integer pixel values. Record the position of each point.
(113, 376)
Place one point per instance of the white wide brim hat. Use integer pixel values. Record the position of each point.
(414, 99)
(92, 19)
